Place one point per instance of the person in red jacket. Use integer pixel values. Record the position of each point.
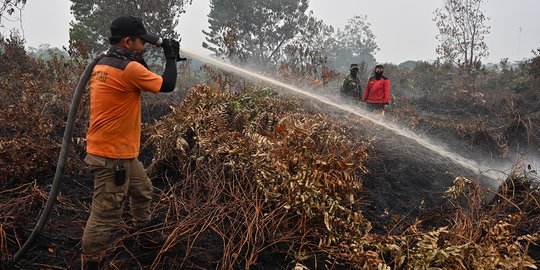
(377, 94)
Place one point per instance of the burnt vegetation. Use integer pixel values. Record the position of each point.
(248, 178)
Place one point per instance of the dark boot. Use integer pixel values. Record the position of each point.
(148, 236)
(91, 265)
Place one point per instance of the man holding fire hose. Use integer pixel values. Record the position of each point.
(113, 138)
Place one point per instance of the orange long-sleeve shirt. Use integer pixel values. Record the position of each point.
(115, 106)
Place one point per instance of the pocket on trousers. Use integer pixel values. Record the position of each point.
(94, 160)
(108, 199)
(116, 194)
(109, 203)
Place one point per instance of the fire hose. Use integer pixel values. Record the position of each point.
(60, 166)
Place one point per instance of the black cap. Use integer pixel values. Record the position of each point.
(379, 66)
(353, 66)
(131, 26)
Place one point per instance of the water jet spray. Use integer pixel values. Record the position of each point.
(494, 177)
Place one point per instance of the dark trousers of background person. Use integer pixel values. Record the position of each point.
(375, 107)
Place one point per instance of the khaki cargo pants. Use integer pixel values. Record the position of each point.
(108, 201)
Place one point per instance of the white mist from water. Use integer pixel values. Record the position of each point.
(456, 158)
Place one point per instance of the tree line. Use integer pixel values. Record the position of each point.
(268, 33)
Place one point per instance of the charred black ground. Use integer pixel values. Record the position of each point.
(399, 194)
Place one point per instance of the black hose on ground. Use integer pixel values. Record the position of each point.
(60, 166)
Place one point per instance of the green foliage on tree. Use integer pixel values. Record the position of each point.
(268, 33)
(462, 29)
(45, 52)
(307, 54)
(89, 32)
(534, 64)
(354, 44)
(321, 49)
(254, 31)
(410, 64)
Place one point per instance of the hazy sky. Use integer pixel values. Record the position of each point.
(404, 29)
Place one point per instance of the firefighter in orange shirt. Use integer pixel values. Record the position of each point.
(113, 138)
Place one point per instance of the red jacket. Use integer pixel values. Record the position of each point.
(377, 91)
